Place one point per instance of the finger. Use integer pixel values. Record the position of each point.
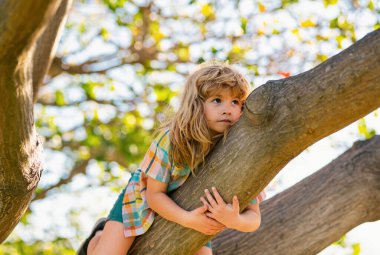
(212, 222)
(213, 219)
(210, 199)
(205, 232)
(218, 230)
(235, 204)
(210, 215)
(208, 232)
(214, 232)
(201, 209)
(217, 196)
(217, 226)
(204, 201)
(220, 226)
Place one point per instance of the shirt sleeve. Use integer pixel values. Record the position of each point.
(156, 163)
(259, 198)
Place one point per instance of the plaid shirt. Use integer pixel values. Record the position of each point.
(137, 216)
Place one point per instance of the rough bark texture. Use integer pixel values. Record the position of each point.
(307, 217)
(280, 120)
(21, 25)
(47, 44)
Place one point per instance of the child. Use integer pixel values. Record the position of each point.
(212, 102)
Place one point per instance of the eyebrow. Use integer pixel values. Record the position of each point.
(217, 95)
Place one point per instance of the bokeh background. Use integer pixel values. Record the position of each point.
(118, 71)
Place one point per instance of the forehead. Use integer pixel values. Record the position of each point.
(232, 92)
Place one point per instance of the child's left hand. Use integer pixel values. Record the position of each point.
(226, 214)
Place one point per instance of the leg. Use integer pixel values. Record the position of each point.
(204, 251)
(110, 241)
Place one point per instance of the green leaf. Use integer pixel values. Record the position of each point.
(207, 10)
(322, 38)
(82, 28)
(326, 3)
(307, 23)
(371, 5)
(363, 130)
(59, 98)
(104, 34)
(113, 5)
(244, 22)
(155, 32)
(341, 242)
(89, 88)
(322, 57)
(356, 249)
(339, 39)
(334, 23)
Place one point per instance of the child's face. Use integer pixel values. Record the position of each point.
(222, 110)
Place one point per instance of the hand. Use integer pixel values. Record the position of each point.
(227, 214)
(200, 222)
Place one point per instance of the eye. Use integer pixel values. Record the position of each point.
(236, 102)
(217, 100)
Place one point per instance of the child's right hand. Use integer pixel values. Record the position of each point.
(198, 221)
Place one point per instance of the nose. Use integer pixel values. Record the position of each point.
(227, 110)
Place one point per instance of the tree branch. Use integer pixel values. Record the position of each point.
(16, 34)
(47, 45)
(80, 168)
(317, 211)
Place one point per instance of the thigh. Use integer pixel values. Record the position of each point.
(204, 251)
(112, 240)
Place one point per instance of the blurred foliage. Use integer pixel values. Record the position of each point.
(19, 247)
(342, 242)
(364, 130)
(121, 64)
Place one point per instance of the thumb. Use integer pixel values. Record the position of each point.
(201, 209)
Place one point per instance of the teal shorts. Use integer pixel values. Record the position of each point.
(116, 212)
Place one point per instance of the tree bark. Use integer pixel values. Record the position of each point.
(20, 147)
(280, 120)
(47, 44)
(310, 215)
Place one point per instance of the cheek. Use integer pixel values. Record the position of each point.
(206, 112)
(238, 114)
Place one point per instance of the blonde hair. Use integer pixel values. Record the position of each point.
(190, 137)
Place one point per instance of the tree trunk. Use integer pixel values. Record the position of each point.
(21, 24)
(280, 120)
(310, 215)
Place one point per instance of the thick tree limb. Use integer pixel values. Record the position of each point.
(317, 211)
(20, 147)
(281, 119)
(17, 35)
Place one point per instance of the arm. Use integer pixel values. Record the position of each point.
(159, 202)
(162, 204)
(229, 215)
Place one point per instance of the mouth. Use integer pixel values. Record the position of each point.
(225, 121)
